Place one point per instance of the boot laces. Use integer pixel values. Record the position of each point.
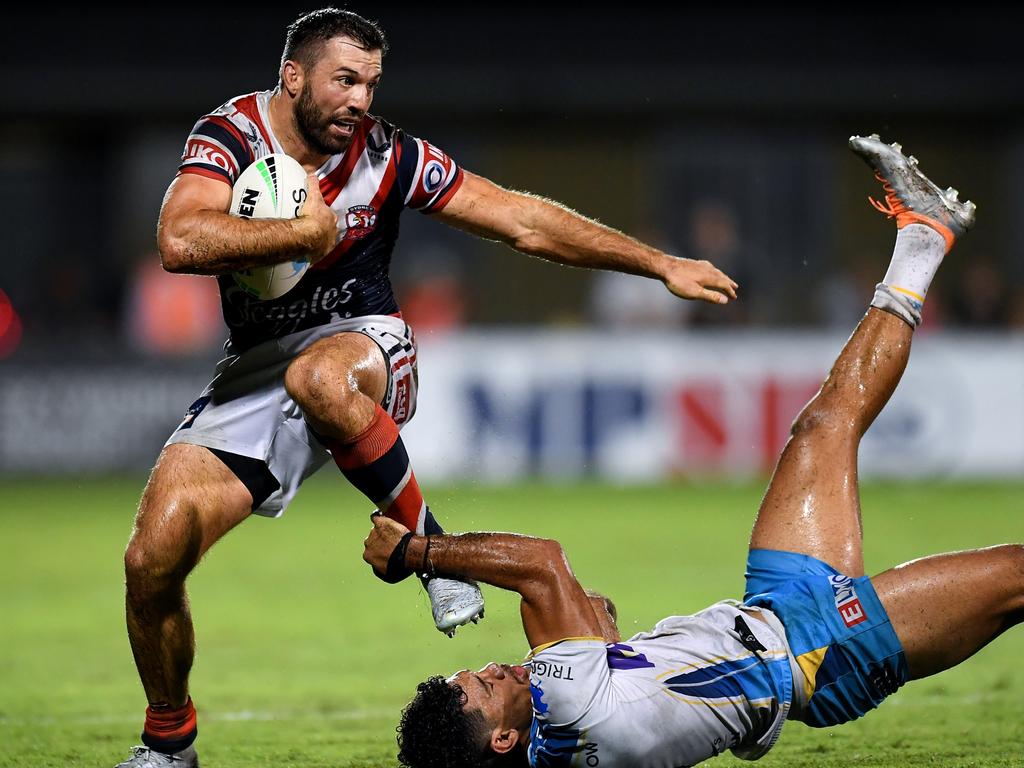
(893, 206)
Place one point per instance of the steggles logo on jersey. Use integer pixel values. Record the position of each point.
(360, 221)
(286, 317)
(847, 602)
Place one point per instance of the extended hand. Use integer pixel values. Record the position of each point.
(381, 543)
(702, 280)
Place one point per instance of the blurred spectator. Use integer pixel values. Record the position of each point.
(981, 298)
(1017, 307)
(843, 295)
(431, 290)
(435, 304)
(10, 327)
(715, 236)
(174, 315)
(627, 301)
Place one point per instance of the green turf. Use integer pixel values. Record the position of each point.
(305, 659)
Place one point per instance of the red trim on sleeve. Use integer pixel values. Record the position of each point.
(442, 201)
(223, 122)
(219, 175)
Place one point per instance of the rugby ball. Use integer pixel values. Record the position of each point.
(274, 187)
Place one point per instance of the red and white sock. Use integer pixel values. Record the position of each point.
(376, 463)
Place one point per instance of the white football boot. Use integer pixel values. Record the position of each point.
(454, 603)
(144, 757)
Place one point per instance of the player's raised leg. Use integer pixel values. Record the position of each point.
(947, 607)
(812, 505)
(339, 383)
(192, 499)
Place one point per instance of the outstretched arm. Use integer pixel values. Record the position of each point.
(554, 605)
(543, 228)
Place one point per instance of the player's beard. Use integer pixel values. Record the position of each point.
(315, 126)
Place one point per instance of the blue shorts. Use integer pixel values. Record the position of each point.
(837, 629)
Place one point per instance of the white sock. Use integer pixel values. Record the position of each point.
(915, 258)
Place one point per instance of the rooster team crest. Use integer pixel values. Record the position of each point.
(359, 221)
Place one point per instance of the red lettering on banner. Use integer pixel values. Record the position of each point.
(780, 404)
(769, 422)
(737, 423)
(703, 437)
(852, 613)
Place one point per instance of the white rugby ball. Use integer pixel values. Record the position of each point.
(274, 187)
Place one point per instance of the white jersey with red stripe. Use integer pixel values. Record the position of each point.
(382, 172)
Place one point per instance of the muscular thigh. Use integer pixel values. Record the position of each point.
(946, 607)
(190, 501)
(812, 505)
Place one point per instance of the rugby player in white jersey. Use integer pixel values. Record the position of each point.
(327, 371)
(814, 639)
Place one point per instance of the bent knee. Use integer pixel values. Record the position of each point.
(315, 376)
(814, 419)
(1014, 558)
(164, 546)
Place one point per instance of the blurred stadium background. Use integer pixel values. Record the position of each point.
(717, 134)
(714, 135)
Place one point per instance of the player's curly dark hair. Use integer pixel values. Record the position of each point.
(309, 31)
(437, 732)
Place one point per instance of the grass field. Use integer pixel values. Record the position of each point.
(305, 660)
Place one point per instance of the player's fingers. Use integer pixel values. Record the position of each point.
(313, 184)
(712, 297)
(717, 279)
(723, 286)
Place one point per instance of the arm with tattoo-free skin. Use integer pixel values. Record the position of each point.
(197, 235)
(554, 606)
(540, 227)
(607, 616)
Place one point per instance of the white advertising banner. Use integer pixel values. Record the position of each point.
(644, 407)
(500, 406)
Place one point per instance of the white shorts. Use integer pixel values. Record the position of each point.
(245, 410)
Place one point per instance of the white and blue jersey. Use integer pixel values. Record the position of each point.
(688, 690)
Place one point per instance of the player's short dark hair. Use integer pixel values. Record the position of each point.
(310, 31)
(436, 731)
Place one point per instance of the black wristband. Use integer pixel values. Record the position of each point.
(397, 569)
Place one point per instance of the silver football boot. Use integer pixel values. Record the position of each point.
(454, 603)
(144, 757)
(910, 196)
